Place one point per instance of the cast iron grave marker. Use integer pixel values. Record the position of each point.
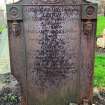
(52, 49)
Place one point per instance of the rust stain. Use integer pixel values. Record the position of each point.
(23, 101)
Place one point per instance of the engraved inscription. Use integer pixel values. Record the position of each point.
(52, 44)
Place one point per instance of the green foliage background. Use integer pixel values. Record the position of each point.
(99, 72)
(99, 75)
(100, 25)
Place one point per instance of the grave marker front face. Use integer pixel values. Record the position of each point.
(52, 49)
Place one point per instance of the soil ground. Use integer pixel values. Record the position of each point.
(9, 90)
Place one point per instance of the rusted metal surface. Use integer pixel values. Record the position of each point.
(16, 28)
(15, 12)
(52, 50)
(23, 100)
(88, 49)
(50, 65)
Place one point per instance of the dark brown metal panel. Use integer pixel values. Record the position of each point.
(88, 41)
(52, 48)
(17, 44)
(50, 2)
(17, 56)
(88, 45)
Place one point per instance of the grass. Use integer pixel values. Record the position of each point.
(2, 28)
(99, 75)
(100, 25)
